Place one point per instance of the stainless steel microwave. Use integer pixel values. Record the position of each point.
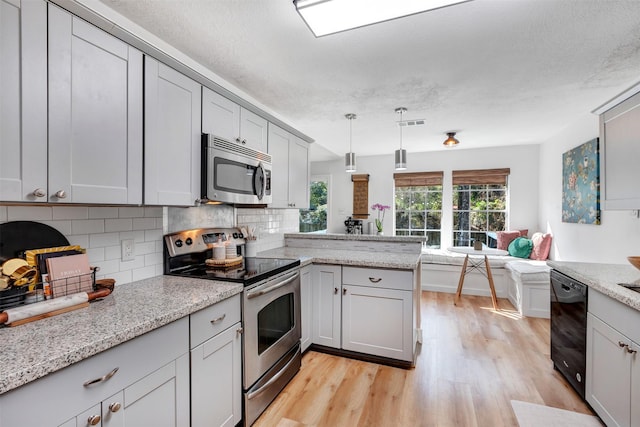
(234, 173)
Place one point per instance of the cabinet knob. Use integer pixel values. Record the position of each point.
(631, 351)
(239, 331)
(335, 291)
(238, 140)
(244, 141)
(344, 291)
(115, 407)
(39, 192)
(621, 344)
(93, 420)
(61, 194)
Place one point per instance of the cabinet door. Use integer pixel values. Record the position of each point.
(377, 321)
(608, 382)
(299, 173)
(23, 104)
(326, 285)
(216, 388)
(279, 149)
(253, 130)
(161, 398)
(172, 136)
(95, 114)
(635, 384)
(306, 306)
(88, 417)
(113, 411)
(220, 116)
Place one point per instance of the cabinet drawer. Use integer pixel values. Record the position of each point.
(616, 314)
(212, 320)
(378, 278)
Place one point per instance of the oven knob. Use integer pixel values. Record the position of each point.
(235, 235)
(189, 241)
(179, 243)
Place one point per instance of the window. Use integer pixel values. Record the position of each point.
(479, 205)
(418, 205)
(315, 218)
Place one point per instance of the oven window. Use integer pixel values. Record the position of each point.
(274, 321)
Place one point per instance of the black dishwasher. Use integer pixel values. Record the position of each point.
(569, 329)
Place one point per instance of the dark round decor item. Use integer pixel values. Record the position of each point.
(18, 236)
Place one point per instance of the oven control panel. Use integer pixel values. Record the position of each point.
(199, 240)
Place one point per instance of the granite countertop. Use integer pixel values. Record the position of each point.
(35, 349)
(604, 278)
(362, 237)
(401, 261)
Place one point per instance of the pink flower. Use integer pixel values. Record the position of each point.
(381, 209)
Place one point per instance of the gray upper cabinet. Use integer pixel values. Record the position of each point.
(620, 155)
(226, 119)
(290, 172)
(95, 114)
(23, 103)
(172, 136)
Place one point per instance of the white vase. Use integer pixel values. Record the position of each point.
(380, 233)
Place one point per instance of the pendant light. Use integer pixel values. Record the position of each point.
(401, 154)
(350, 157)
(451, 140)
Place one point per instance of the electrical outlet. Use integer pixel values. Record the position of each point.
(128, 250)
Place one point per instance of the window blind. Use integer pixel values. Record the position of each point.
(481, 176)
(414, 179)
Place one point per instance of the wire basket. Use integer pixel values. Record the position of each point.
(47, 289)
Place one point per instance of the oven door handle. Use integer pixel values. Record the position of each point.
(261, 290)
(273, 379)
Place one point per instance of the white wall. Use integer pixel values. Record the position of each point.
(610, 242)
(523, 182)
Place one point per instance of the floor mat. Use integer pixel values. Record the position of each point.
(532, 415)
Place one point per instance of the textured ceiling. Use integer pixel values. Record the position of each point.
(499, 72)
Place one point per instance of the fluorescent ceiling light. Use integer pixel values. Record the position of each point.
(332, 16)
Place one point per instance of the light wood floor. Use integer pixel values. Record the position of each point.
(472, 363)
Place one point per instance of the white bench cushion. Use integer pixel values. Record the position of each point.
(529, 271)
(445, 257)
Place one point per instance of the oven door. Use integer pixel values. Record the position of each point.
(271, 323)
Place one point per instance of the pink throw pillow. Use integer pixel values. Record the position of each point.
(524, 233)
(541, 246)
(506, 237)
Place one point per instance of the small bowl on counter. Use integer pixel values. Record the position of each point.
(635, 261)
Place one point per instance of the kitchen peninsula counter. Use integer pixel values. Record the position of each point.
(604, 278)
(35, 349)
(402, 261)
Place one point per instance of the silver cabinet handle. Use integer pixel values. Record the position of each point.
(102, 378)
(93, 420)
(621, 344)
(631, 351)
(115, 407)
(239, 331)
(39, 192)
(374, 279)
(61, 194)
(219, 319)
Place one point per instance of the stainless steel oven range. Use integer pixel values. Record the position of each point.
(270, 309)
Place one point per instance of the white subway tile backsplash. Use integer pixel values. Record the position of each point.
(144, 223)
(81, 240)
(104, 239)
(118, 224)
(63, 227)
(137, 236)
(70, 212)
(131, 212)
(121, 277)
(153, 211)
(29, 213)
(145, 248)
(96, 255)
(144, 273)
(152, 235)
(108, 267)
(137, 262)
(103, 212)
(112, 252)
(153, 259)
(87, 226)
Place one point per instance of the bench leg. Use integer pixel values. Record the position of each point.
(463, 272)
(491, 286)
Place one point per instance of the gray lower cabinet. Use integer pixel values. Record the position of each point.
(613, 363)
(216, 359)
(367, 310)
(95, 114)
(144, 381)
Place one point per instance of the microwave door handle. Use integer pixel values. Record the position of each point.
(259, 181)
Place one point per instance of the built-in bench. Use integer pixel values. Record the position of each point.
(524, 282)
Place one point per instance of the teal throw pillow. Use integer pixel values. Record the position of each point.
(520, 247)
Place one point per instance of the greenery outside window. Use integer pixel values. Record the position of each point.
(315, 218)
(418, 205)
(479, 205)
